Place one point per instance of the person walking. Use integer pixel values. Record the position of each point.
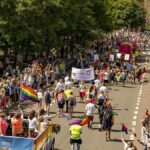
(67, 96)
(71, 104)
(48, 100)
(32, 123)
(89, 112)
(108, 121)
(40, 97)
(75, 132)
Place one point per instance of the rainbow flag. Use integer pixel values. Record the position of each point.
(29, 94)
(85, 121)
(81, 122)
(76, 122)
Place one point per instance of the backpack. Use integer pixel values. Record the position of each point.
(47, 96)
(107, 115)
(71, 101)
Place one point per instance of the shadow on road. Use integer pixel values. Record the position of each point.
(116, 130)
(115, 140)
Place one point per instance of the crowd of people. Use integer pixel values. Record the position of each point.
(51, 81)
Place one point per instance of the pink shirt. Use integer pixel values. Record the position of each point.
(101, 75)
(3, 125)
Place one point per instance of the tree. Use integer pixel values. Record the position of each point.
(127, 13)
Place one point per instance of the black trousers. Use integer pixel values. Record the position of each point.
(66, 106)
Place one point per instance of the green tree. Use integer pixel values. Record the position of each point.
(127, 13)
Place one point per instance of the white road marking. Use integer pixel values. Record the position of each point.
(53, 101)
(132, 137)
(134, 123)
(137, 103)
(134, 117)
(140, 92)
(137, 108)
(139, 98)
(133, 129)
(135, 112)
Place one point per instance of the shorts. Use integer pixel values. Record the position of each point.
(47, 101)
(75, 141)
(82, 94)
(107, 125)
(106, 81)
(60, 106)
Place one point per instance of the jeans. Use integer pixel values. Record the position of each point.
(73, 146)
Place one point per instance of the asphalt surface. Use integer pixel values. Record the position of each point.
(128, 102)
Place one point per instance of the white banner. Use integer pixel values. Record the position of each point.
(82, 74)
(96, 57)
(119, 55)
(111, 58)
(127, 57)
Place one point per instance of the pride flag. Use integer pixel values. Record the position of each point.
(81, 122)
(124, 129)
(76, 122)
(29, 94)
(85, 121)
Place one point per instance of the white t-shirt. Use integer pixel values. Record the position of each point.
(97, 83)
(106, 77)
(32, 123)
(60, 86)
(39, 95)
(90, 109)
(66, 78)
(104, 89)
(69, 83)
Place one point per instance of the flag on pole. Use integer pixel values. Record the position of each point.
(29, 94)
(124, 129)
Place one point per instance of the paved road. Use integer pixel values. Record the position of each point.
(124, 101)
(128, 102)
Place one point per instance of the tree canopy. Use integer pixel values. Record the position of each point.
(43, 24)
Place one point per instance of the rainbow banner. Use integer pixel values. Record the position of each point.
(81, 122)
(85, 121)
(29, 94)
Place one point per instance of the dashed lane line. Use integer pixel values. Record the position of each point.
(137, 108)
(134, 123)
(134, 117)
(135, 112)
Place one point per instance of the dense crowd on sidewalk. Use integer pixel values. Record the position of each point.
(51, 81)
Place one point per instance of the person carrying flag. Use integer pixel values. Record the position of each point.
(89, 112)
(75, 132)
(128, 145)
